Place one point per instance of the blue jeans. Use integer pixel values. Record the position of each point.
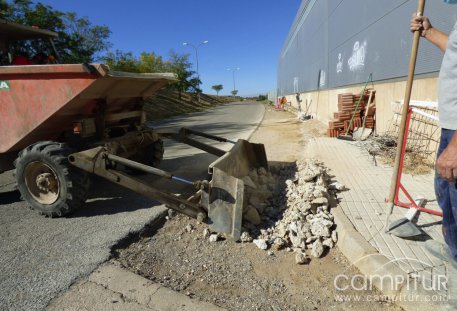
(446, 195)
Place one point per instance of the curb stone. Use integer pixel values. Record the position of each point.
(111, 287)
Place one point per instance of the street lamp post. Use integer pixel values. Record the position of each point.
(196, 58)
(233, 74)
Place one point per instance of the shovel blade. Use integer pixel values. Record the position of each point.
(404, 228)
(361, 134)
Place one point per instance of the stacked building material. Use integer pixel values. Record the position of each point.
(347, 104)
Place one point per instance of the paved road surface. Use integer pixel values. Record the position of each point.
(41, 257)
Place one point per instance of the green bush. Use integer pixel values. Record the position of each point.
(261, 98)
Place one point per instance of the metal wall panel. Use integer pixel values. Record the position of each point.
(334, 43)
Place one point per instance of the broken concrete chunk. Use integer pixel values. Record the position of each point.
(214, 237)
(301, 259)
(311, 239)
(279, 243)
(206, 233)
(319, 229)
(245, 237)
(337, 186)
(318, 249)
(320, 201)
(329, 243)
(261, 243)
(334, 236)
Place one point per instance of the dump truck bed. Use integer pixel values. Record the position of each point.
(39, 101)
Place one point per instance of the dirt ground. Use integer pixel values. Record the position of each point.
(240, 276)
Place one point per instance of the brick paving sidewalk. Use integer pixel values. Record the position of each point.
(364, 205)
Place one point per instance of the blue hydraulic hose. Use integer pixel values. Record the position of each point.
(182, 180)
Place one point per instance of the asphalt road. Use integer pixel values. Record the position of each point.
(41, 257)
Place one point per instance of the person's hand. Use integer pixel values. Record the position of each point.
(446, 164)
(421, 23)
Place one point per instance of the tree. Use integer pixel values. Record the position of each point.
(234, 92)
(150, 62)
(79, 41)
(121, 61)
(261, 97)
(91, 40)
(180, 65)
(217, 88)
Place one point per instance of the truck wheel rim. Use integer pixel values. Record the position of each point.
(42, 182)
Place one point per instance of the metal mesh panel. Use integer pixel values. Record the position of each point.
(340, 42)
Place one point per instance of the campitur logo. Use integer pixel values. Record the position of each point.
(356, 288)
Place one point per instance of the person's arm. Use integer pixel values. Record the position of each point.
(446, 164)
(434, 35)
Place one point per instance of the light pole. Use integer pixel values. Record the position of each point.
(196, 57)
(233, 73)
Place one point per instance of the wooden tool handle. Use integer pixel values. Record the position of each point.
(409, 86)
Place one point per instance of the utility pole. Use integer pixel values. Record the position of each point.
(196, 57)
(233, 74)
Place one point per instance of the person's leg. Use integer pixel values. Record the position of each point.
(446, 195)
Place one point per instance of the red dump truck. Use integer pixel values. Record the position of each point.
(61, 123)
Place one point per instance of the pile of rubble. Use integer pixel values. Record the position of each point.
(288, 208)
(300, 213)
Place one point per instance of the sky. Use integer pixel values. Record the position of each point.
(245, 34)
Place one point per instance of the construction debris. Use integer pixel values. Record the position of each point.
(214, 237)
(206, 233)
(301, 259)
(347, 104)
(288, 208)
(297, 217)
(261, 243)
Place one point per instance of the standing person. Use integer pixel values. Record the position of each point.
(297, 96)
(446, 166)
(283, 102)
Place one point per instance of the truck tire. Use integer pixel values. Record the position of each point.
(47, 182)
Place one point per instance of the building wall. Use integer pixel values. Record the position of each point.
(333, 47)
(337, 43)
(324, 103)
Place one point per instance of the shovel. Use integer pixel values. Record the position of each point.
(406, 227)
(401, 132)
(363, 133)
(307, 117)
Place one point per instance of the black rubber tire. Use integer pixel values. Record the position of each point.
(73, 184)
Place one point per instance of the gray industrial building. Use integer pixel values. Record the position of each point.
(338, 43)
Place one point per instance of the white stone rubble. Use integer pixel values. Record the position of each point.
(213, 237)
(261, 243)
(297, 217)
